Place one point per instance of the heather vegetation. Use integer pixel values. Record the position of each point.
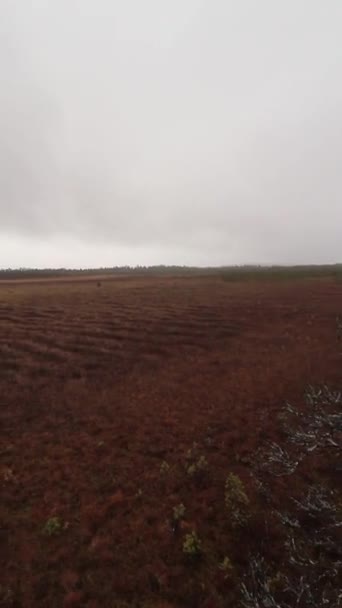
(169, 443)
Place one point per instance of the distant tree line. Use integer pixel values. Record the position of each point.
(22, 273)
(228, 273)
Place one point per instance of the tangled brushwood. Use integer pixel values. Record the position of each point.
(310, 570)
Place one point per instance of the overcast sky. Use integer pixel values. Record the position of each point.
(170, 131)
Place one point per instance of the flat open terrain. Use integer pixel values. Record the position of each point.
(123, 399)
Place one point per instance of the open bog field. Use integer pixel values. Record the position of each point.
(170, 442)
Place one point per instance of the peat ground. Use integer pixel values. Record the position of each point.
(124, 406)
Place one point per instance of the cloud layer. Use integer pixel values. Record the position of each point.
(170, 132)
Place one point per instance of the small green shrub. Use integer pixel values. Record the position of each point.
(197, 467)
(164, 467)
(192, 452)
(52, 526)
(192, 545)
(178, 512)
(236, 500)
(227, 567)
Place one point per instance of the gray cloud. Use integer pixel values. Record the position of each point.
(187, 131)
